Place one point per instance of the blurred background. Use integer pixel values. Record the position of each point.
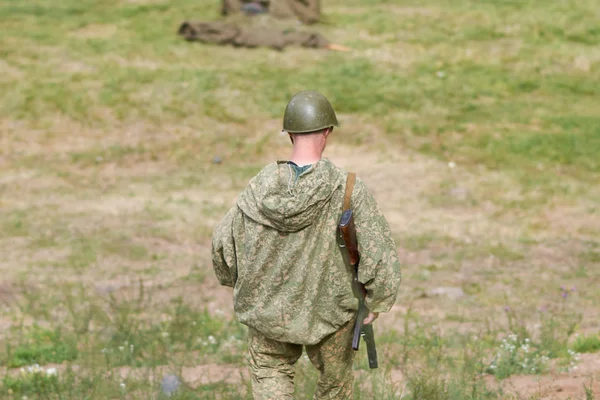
(125, 136)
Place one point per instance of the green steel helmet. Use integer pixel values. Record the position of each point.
(308, 112)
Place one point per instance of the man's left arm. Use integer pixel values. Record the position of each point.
(224, 258)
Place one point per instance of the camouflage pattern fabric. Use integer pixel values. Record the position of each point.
(272, 365)
(307, 11)
(278, 248)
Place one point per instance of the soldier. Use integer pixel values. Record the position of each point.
(307, 11)
(277, 248)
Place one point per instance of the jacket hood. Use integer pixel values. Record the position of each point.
(276, 198)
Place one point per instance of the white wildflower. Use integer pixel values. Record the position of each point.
(33, 369)
(212, 339)
(122, 385)
(202, 342)
(451, 164)
(121, 348)
(51, 371)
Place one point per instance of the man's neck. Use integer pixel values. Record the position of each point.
(304, 158)
(302, 161)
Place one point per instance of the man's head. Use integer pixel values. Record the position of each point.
(309, 119)
(308, 112)
(316, 140)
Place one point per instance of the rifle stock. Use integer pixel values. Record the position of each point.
(348, 231)
(350, 243)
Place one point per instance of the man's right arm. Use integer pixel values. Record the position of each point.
(224, 258)
(379, 268)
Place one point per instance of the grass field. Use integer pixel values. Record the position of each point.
(476, 124)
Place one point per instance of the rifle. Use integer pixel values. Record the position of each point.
(347, 233)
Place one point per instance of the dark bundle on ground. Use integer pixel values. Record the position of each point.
(223, 33)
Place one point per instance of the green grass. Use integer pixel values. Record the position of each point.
(42, 346)
(98, 335)
(531, 108)
(587, 344)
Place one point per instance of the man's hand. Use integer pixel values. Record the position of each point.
(370, 318)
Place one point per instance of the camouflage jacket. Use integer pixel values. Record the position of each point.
(277, 247)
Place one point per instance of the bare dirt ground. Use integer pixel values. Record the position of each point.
(557, 386)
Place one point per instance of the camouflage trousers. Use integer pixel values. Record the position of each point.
(272, 365)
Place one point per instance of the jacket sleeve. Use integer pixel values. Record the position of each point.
(224, 257)
(379, 268)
